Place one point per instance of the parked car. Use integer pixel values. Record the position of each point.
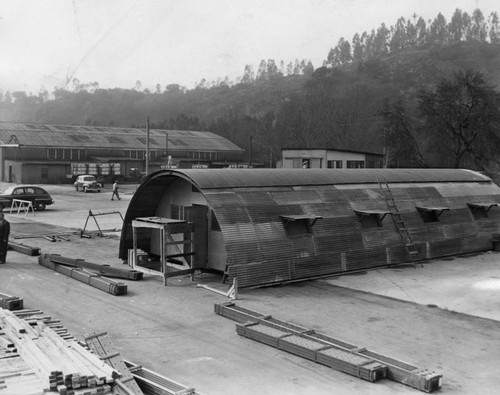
(87, 183)
(39, 197)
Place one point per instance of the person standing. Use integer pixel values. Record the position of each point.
(115, 191)
(4, 237)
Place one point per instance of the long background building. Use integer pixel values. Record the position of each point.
(36, 153)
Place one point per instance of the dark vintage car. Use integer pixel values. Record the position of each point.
(38, 196)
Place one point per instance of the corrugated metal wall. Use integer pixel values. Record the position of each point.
(260, 252)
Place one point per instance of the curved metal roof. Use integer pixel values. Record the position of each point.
(242, 178)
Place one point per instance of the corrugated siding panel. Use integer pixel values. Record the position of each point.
(292, 197)
(380, 238)
(275, 249)
(243, 252)
(439, 248)
(222, 199)
(340, 243)
(366, 259)
(260, 273)
(316, 266)
(232, 215)
(272, 213)
(477, 243)
(334, 226)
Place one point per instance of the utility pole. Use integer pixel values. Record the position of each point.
(166, 149)
(251, 152)
(147, 146)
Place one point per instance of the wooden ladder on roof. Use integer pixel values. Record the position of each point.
(400, 224)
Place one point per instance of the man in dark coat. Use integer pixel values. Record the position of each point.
(4, 237)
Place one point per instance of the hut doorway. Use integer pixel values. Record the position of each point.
(198, 215)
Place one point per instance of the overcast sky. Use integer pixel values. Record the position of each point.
(117, 42)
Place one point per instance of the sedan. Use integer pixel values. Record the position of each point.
(39, 197)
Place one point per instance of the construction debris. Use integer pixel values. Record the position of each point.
(105, 270)
(326, 350)
(86, 276)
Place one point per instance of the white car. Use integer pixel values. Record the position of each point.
(87, 183)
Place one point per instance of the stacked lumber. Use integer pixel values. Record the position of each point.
(328, 351)
(9, 302)
(62, 366)
(105, 270)
(85, 276)
(341, 360)
(17, 377)
(24, 249)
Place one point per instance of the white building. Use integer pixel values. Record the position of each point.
(326, 158)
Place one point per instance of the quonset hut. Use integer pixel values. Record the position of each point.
(268, 226)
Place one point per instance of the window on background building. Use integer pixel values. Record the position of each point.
(306, 163)
(51, 153)
(334, 164)
(355, 164)
(44, 173)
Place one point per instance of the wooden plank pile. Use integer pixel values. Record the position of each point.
(61, 366)
(316, 351)
(104, 270)
(85, 276)
(328, 351)
(9, 302)
(24, 249)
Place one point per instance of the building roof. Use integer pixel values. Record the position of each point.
(244, 178)
(70, 136)
(332, 149)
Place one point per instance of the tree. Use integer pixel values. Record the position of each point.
(456, 28)
(358, 48)
(463, 117)
(494, 28)
(400, 136)
(399, 38)
(478, 26)
(439, 30)
(421, 32)
(381, 41)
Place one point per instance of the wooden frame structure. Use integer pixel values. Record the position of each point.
(181, 262)
(22, 206)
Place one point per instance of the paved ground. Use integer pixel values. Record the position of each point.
(431, 317)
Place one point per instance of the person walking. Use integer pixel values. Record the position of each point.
(4, 237)
(115, 191)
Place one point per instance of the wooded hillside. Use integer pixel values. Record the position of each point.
(379, 91)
